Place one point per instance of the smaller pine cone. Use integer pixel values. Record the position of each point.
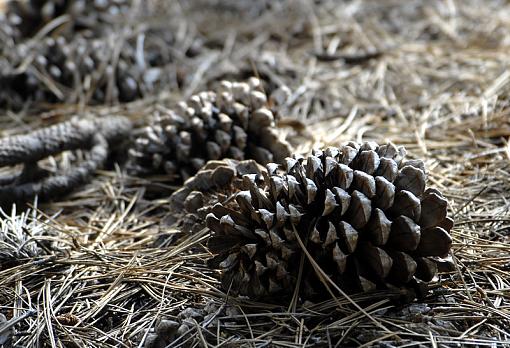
(209, 190)
(231, 122)
(27, 17)
(362, 213)
(68, 64)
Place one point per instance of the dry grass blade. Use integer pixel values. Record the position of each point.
(84, 272)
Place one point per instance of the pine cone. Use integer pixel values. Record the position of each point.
(62, 68)
(81, 65)
(232, 122)
(211, 186)
(362, 212)
(70, 63)
(26, 17)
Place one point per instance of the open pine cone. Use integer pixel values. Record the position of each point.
(362, 212)
(232, 122)
(212, 185)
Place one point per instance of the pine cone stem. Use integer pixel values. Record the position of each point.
(45, 142)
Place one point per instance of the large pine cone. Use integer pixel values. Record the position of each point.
(362, 213)
(232, 122)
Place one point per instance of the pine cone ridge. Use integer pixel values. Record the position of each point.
(231, 122)
(363, 212)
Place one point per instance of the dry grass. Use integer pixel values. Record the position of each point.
(432, 76)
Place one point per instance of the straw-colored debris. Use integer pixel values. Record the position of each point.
(433, 76)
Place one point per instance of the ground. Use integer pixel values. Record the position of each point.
(430, 75)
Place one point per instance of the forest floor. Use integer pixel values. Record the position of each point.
(433, 76)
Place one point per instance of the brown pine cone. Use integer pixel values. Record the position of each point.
(206, 191)
(362, 212)
(232, 122)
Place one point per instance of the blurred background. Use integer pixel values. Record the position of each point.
(384, 56)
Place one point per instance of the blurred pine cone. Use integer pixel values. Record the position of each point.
(362, 212)
(27, 17)
(65, 71)
(232, 122)
(94, 56)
